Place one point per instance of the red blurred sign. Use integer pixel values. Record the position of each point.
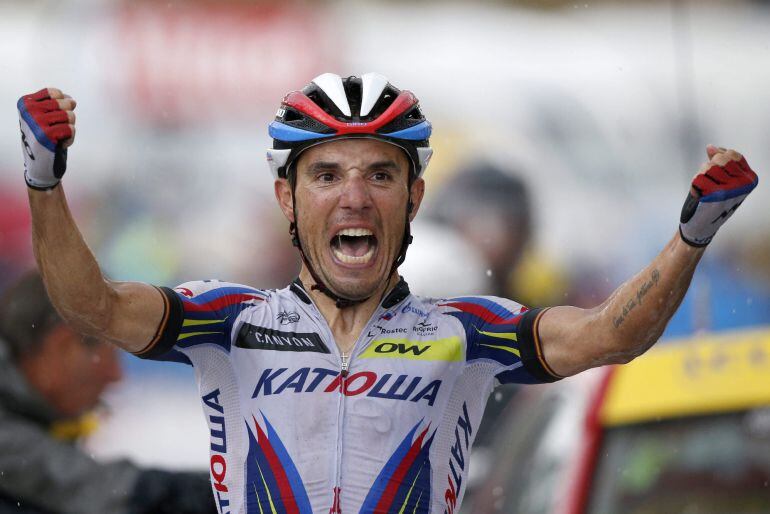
(184, 62)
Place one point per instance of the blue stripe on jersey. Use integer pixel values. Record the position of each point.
(295, 480)
(491, 333)
(381, 483)
(209, 317)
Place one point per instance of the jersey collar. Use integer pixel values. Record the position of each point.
(396, 295)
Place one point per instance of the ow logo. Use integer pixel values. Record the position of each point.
(401, 348)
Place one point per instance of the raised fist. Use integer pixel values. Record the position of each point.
(717, 191)
(47, 129)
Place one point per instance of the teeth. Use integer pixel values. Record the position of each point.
(355, 232)
(349, 259)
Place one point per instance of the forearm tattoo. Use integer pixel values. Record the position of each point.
(638, 298)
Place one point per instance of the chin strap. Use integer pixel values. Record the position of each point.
(340, 301)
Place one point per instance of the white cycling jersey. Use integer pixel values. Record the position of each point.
(297, 427)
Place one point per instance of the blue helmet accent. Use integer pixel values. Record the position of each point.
(285, 132)
(417, 133)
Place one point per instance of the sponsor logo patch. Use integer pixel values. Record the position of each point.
(414, 310)
(448, 349)
(368, 383)
(424, 328)
(386, 331)
(260, 338)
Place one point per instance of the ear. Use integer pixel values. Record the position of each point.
(285, 198)
(416, 194)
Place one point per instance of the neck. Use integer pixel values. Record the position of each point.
(347, 323)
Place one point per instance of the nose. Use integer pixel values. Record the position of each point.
(355, 193)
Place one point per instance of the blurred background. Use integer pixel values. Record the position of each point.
(591, 116)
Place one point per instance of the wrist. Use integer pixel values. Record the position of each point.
(691, 243)
(681, 245)
(36, 186)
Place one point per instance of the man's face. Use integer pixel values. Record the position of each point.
(70, 373)
(351, 201)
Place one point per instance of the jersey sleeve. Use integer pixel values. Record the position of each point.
(197, 313)
(505, 333)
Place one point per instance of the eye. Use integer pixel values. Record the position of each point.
(381, 176)
(325, 177)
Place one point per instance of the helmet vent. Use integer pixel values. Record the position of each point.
(353, 91)
(292, 115)
(414, 114)
(387, 97)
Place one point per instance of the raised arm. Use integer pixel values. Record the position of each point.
(632, 319)
(125, 313)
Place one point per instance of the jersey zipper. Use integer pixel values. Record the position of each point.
(344, 371)
(344, 365)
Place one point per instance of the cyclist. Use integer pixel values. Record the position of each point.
(343, 392)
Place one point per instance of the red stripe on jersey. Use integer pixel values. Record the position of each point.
(219, 303)
(287, 495)
(482, 312)
(389, 495)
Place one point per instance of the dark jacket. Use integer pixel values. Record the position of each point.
(42, 475)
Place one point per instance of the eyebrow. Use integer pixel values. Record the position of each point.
(322, 165)
(388, 164)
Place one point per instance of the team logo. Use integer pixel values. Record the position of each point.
(261, 338)
(218, 460)
(287, 318)
(368, 383)
(458, 459)
(387, 316)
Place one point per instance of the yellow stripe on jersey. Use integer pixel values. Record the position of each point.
(511, 336)
(195, 322)
(190, 334)
(448, 349)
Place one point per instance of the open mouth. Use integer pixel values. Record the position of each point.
(354, 245)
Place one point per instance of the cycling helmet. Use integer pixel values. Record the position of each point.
(332, 108)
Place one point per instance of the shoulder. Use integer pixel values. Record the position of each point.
(212, 288)
(216, 294)
(488, 309)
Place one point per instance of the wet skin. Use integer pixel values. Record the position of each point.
(351, 184)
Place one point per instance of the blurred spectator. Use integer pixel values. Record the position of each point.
(50, 380)
(492, 210)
